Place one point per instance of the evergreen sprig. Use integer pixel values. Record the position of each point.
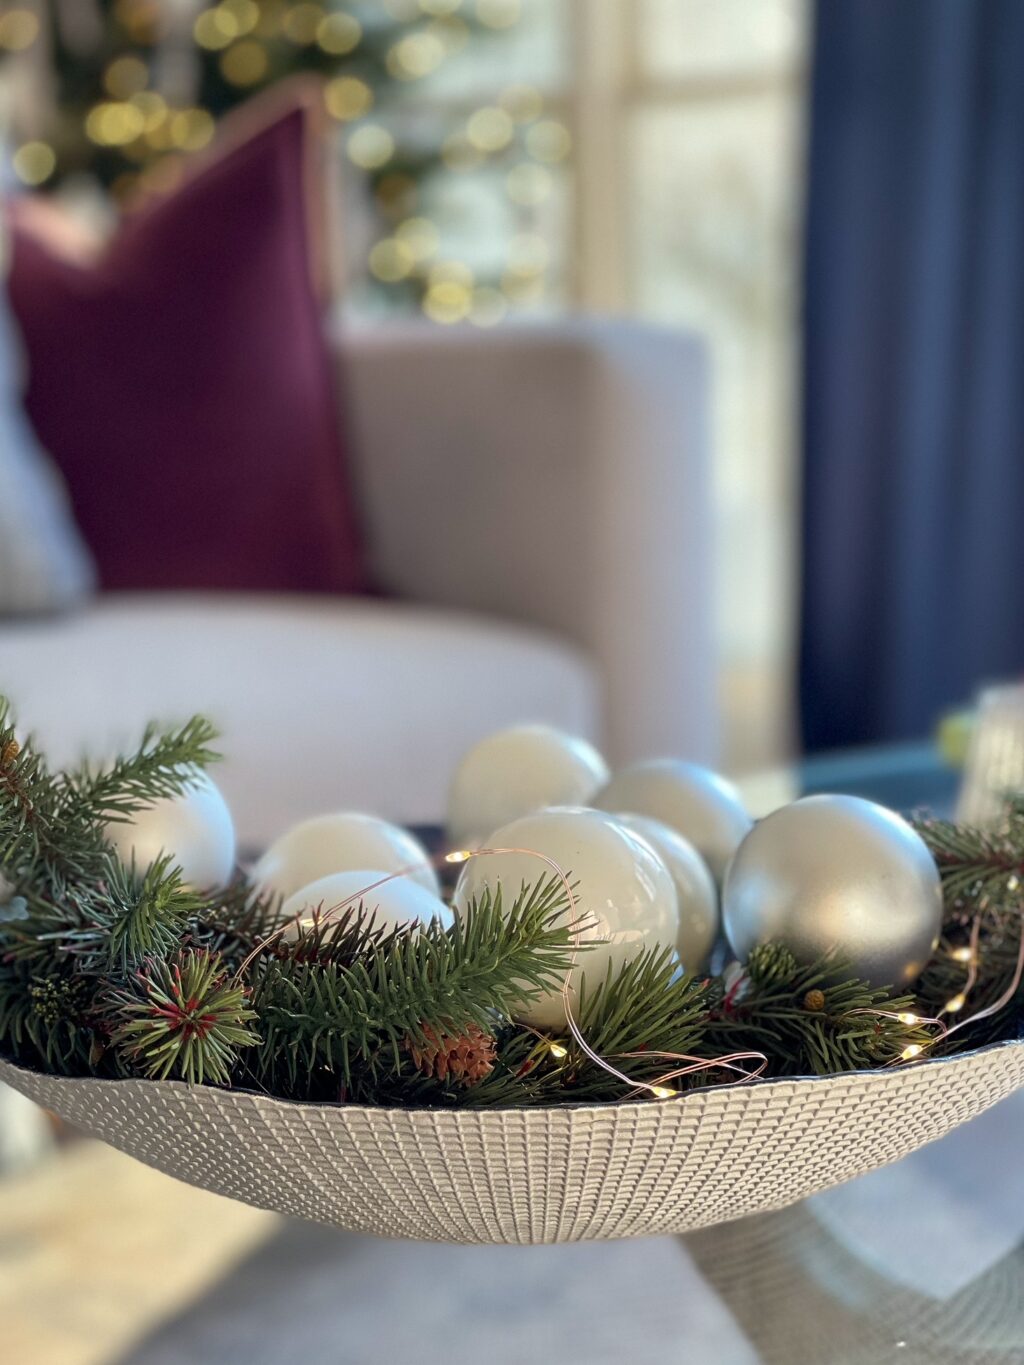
(812, 1020)
(164, 764)
(345, 1005)
(183, 1018)
(983, 884)
(109, 970)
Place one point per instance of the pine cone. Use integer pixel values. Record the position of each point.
(465, 1058)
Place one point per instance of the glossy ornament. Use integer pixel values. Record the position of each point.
(695, 888)
(341, 842)
(516, 772)
(196, 827)
(703, 807)
(837, 872)
(624, 890)
(396, 902)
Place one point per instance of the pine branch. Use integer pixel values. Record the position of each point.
(812, 1020)
(355, 1018)
(629, 1017)
(29, 804)
(136, 916)
(983, 886)
(46, 1019)
(164, 764)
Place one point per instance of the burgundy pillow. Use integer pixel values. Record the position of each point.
(182, 380)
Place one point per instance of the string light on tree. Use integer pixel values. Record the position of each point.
(245, 63)
(415, 56)
(131, 118)
(371, 146)
(19, 29)
(339, 33)
(301, 23)
(34, 162)
(347, 97)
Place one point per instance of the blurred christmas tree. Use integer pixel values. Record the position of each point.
(135, 86)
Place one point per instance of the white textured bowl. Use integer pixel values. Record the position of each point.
(536, 1175)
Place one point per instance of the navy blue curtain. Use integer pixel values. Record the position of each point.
(913, 493)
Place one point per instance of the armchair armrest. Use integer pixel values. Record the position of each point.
(554, 474)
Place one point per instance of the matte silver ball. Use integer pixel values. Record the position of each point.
(701, 806)
(836, 873)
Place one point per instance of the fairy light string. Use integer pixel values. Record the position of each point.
(746, 1065)
(660, 1088)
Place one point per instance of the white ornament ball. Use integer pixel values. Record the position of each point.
(703, 807)
(337, 843)
(516, 772)
(195, 827)
(624, 890)
(695, 888)
(837, 872)
(393, 903)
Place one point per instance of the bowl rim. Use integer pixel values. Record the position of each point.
(862, 1074)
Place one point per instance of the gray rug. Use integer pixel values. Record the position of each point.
(319, 1296)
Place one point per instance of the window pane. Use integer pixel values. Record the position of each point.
(714, 220)
(694, 38)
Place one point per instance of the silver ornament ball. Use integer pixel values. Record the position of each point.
(701, 806)
(695, 888)
(836, 873)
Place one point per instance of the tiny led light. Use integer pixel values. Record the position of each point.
(461, 855)
(910, 1052)
(962, 955)
(956, 1004)
(908, 1018)
(557, 1050)
(662, 1092)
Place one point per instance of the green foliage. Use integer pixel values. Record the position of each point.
(114, 971)
(983, 884)
(344, 1000)
(812, 1020)
(52, 840)
(164, 764)
(182, 1018)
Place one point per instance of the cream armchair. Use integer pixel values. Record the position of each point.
(536, 500)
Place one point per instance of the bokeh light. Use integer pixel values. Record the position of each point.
(245, 63)
(371, 146)
(125, 76)
(215, 28)
(339, 33)
(490, 129)
(19, 28)
(419, 236)
(34, 162)
(548, 140)
(114, 123)
(391, 260)
(415, 56)
(447, 301)
(347, 97)
(301, 22)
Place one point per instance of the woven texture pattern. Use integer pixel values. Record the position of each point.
(526, 1176)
